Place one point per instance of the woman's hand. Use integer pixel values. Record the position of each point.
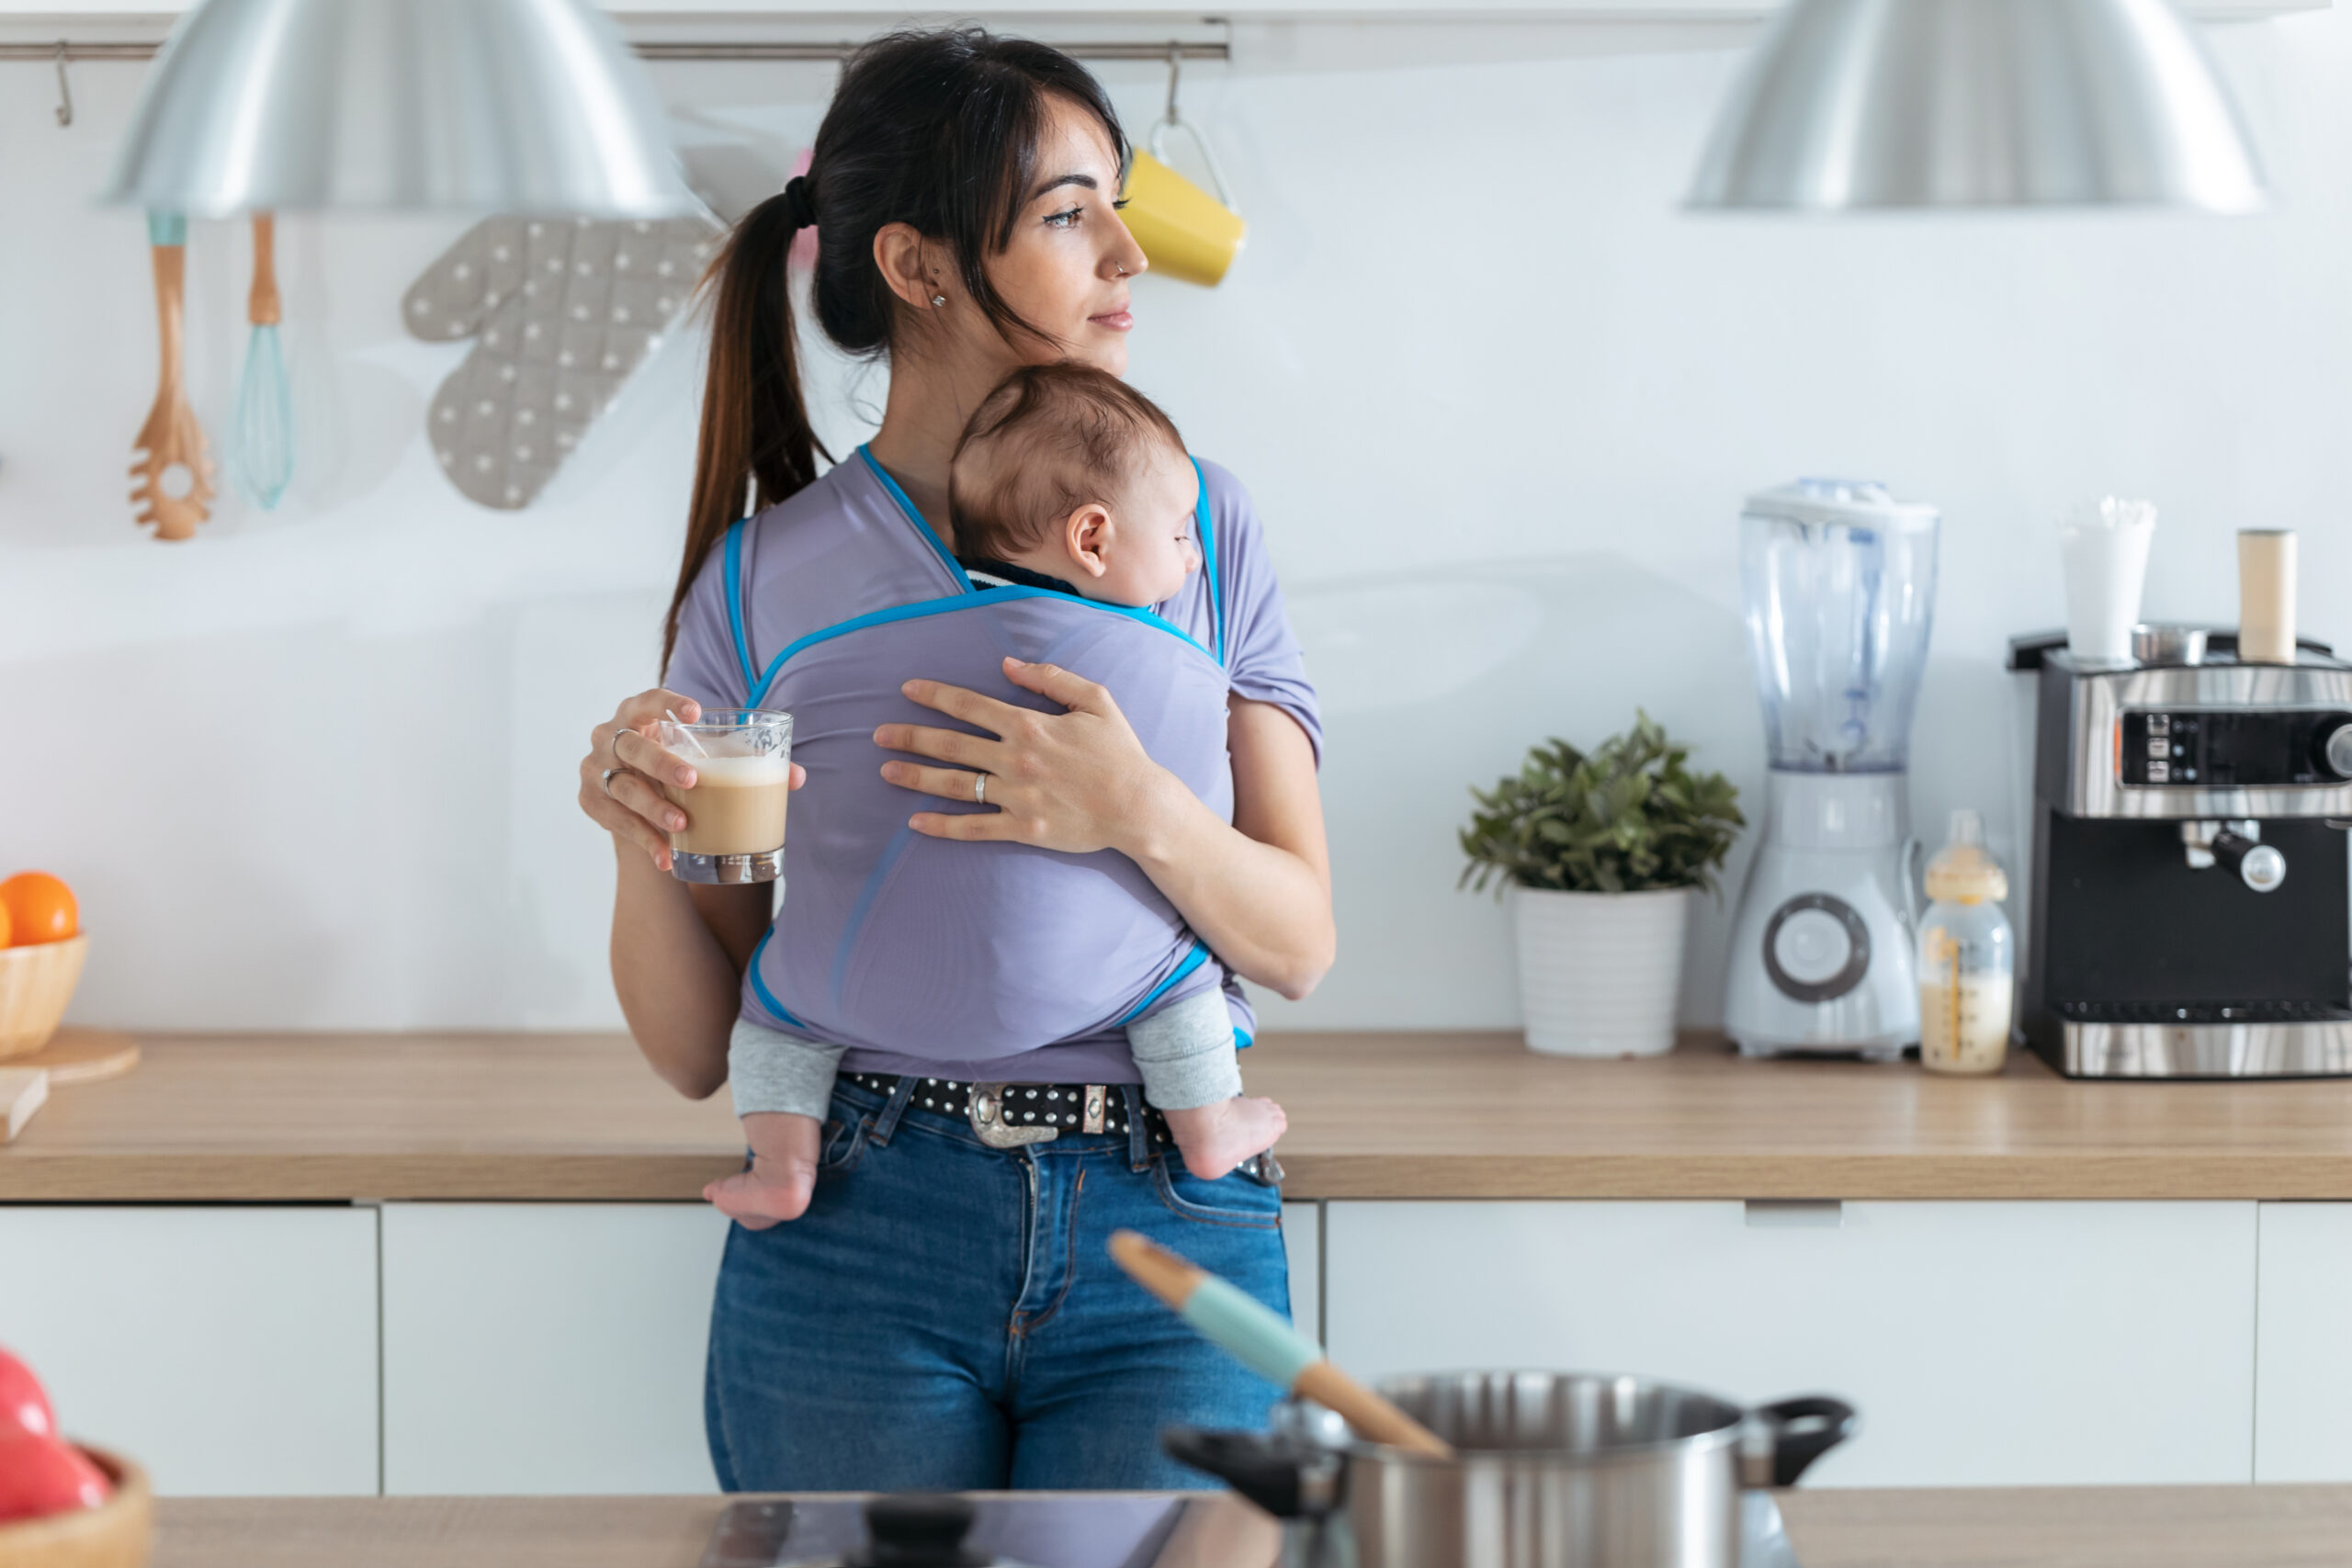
(1077, 781)
(1258, 889)
(620, 778)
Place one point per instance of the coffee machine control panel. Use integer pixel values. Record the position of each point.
(2235, 747)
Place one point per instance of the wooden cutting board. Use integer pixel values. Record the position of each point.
(23, 1091)
(76, 1055)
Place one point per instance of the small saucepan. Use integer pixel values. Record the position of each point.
(1550, 1470)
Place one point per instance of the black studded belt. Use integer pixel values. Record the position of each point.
(1007, 1115)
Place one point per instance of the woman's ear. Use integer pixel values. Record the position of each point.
(1088, 532)
(911, 266)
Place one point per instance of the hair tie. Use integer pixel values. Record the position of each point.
(798, 205)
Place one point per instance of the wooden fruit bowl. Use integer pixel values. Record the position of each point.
(118, 1533)
(36, 984)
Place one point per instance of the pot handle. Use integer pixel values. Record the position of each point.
(1266, 1471)
(1800, 1430)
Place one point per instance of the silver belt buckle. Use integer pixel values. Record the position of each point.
(986, 1112)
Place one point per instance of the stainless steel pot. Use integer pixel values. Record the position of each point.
(1552, 1470)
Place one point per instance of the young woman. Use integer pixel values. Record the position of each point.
(943, 1316)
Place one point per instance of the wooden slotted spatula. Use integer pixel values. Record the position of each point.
(168, 458)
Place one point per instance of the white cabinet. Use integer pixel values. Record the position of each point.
(547, 1347)
(2303, 1366)
(1985, 1343)
(1303, 1238)
(229, 1351)
(555, 1348)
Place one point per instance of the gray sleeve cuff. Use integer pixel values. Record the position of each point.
(768, 1070)
(1184, 1053)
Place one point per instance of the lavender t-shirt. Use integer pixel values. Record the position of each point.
(850, 546)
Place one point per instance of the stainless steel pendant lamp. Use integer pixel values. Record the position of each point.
(1888, 103)
(503, 105)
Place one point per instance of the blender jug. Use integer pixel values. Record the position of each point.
(1840, 582)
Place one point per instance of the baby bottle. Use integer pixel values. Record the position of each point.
(1967, 957)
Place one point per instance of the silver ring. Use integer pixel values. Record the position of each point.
(979, 789)
(608, 778)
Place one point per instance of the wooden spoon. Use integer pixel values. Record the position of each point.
(1261, 1340)
(171, 439)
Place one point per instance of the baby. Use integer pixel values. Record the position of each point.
(1068, 480)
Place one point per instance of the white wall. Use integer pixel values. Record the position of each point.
(1498, 398)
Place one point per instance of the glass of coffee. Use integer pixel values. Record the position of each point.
(743, 763)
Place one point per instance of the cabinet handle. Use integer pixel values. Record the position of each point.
(1796, 1214)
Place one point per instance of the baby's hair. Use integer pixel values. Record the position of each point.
(1047, 440)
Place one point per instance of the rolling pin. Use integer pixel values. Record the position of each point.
(1257, 1337)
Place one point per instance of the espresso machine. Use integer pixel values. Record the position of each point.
(2188, 903)
(1840, 579)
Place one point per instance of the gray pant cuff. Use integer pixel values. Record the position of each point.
(770, 1071)
(1184, 1053)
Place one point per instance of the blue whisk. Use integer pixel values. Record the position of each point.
(262, 443)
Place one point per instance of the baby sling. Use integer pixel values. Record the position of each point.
(890, 940)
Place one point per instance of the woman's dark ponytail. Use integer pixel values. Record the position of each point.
(936, 130)
(756, 434)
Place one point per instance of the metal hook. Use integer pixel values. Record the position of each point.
(64, 88)
(1174, 120)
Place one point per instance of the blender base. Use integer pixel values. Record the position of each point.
(1821, 948)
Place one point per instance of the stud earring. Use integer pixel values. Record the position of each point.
(938, 301)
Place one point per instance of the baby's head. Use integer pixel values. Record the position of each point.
(1069, 471)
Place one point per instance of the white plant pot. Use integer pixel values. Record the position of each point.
(1599, 973)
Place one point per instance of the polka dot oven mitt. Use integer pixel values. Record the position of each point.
(566, 309)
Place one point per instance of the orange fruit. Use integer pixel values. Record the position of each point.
(4, 925)
(37, 908)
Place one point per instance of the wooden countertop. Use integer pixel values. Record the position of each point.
(1478, 1115)
(393, 1116)
(2062, 1527)
(1373, 1115)
(2151, 1527)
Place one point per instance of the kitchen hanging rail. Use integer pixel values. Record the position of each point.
(65, 50)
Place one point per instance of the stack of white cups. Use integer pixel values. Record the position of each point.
(2106, 547)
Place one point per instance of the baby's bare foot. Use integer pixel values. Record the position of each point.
(783, 1173)
(1215, 1138)
(766, 1193)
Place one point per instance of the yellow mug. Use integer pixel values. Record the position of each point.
(1184, 232)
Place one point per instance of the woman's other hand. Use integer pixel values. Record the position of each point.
(620, 778)
(1076, 781)
(679, 949)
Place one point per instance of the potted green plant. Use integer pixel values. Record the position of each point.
(1599, 852)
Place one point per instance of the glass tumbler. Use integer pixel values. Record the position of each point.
(742, 762)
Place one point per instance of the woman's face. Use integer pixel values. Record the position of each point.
(1070, 260)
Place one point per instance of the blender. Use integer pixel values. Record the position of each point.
(1840, 579)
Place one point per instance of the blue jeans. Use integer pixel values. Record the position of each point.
(945, 1315)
